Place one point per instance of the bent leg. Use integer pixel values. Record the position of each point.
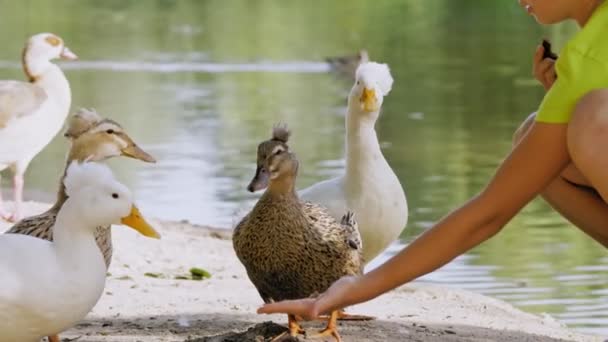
(18, 193)
(571, 195)
(4, 214)
(588, 139)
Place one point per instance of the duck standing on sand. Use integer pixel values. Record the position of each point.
(49, 286)
(31, 113)
(369, 187)
(293, 249)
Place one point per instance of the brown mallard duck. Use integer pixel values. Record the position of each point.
(293, 249)
(347, 65)
(93, 139)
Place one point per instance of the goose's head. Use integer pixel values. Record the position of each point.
(94, 138)
(280, 136)
(373, 82)
(98, 199)
(38, 52)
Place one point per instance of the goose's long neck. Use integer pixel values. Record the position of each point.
(57, 87)
(362, 147)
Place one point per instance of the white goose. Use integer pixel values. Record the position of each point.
(31, 113)
(369, 187)
(71, 269)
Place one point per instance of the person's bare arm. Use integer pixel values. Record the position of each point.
(530, 167)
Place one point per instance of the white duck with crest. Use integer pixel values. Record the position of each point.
(369, 187)
(70, 270)
(32, 113)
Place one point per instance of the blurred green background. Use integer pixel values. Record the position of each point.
(200, 83)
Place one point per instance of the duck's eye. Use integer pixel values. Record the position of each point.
(358, 82)
(110, 131)
(114, 195)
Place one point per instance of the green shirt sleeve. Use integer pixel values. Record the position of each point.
(577, 75)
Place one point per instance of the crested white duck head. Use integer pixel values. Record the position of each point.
(373, 82)
(280, 136)
(40, 50)
(98, 199)
(95, 138)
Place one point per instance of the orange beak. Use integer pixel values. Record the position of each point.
(137, 222)
(368, 100)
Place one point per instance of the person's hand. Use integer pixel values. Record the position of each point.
(311, 308)
(544, 68)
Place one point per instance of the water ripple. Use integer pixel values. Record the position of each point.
(176, 67)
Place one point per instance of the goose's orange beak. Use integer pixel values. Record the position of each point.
(368, 100)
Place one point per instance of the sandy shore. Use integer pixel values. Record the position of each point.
(140, 307)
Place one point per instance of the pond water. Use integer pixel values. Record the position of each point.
(200, 83)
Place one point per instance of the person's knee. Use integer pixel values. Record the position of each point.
(588, 127)
(521, 131)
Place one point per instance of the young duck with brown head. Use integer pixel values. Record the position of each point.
(280, 136)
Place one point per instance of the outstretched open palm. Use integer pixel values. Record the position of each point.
(311, 308)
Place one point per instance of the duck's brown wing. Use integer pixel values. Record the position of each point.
(18, 99)
(346, 230)
(39, 226)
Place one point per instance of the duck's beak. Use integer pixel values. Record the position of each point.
(137, 222)
(68, 54)
(259, 181)
(368, 100)
(134, 151)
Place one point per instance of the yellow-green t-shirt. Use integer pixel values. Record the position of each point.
(581, 67)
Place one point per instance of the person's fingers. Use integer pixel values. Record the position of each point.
(538, 55)
(543, 66)
(543, 70)
(301, 307)
(550, 77)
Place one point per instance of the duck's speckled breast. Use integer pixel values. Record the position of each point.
(290, 251)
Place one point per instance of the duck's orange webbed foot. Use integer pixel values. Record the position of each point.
(54, 338)
(294, 330)
(331, 329)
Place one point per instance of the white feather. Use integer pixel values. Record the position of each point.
(379, 73)
(81, 175)
(369, 187)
